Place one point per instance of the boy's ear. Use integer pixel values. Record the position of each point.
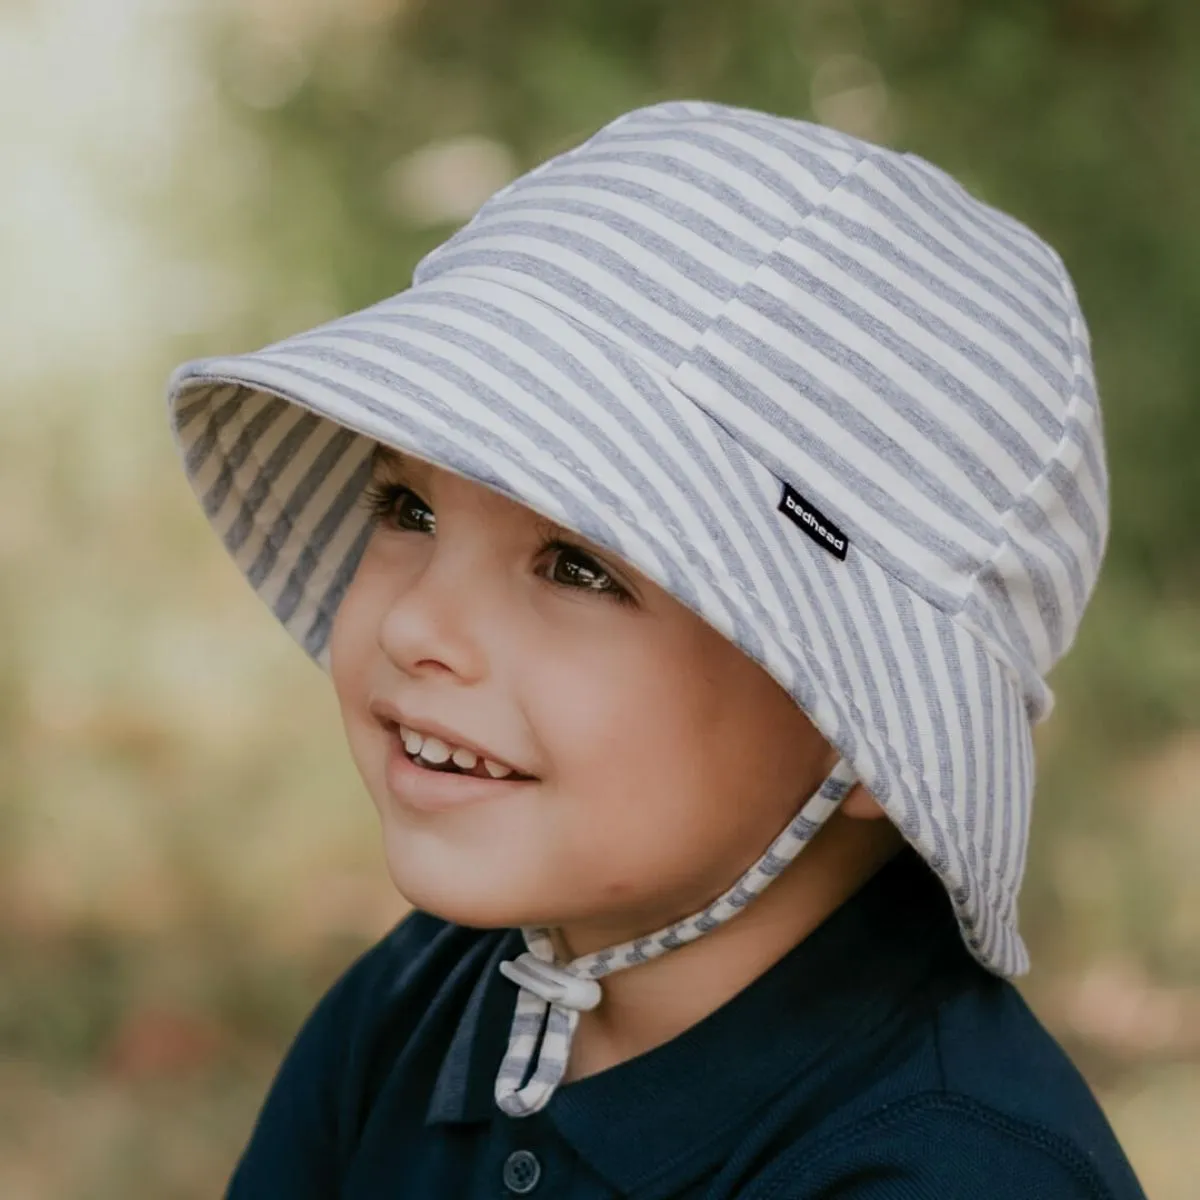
(861, 805)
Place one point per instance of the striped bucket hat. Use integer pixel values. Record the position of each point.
(836, 406)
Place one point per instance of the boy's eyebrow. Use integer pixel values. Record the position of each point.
(385, 454)
(392, 459)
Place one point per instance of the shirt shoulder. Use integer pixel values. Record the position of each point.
(941, 1146)
(978, 1099)
(322, 1089)
(997, 1057)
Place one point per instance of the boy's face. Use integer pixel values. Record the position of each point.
(665, 759)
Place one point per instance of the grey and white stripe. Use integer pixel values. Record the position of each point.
(643, 339)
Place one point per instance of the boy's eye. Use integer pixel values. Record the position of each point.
(392, 505)
(387, 502)
(582, 570)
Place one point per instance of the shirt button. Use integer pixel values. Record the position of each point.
(521, 1172)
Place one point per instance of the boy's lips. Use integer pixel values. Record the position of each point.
(433, 791)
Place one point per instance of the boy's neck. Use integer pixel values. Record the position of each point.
(647, 1005)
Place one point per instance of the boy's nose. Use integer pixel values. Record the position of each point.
(439, 615)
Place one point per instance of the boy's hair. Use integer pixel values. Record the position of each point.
(810, 386)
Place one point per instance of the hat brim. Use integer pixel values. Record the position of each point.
(495, 385)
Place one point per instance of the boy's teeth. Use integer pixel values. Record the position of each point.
(434, 751)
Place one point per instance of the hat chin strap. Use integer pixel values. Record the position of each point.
(553, 994)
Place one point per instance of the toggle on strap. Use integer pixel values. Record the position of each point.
(552, 983)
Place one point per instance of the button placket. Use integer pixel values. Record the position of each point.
(522, 1170)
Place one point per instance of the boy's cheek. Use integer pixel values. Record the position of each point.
(353, 657)
(342, 646)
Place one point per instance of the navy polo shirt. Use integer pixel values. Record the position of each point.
(875, 1061)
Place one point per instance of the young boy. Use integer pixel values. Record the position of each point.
(687, 548)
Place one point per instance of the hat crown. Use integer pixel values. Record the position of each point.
(795, 281)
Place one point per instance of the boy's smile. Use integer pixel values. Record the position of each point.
(433, 788)
(436, 744)
(664, 760)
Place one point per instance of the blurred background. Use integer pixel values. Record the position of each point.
(187, 858)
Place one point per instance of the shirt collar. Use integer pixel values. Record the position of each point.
(680, 1102)
(465, 1085)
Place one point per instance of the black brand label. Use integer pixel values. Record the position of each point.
(814, 522)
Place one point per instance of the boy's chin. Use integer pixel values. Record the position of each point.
(481, 902)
